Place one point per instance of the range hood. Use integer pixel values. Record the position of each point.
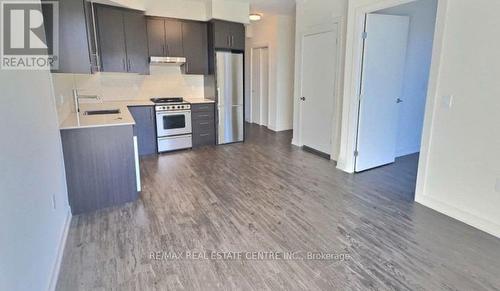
(173, 61)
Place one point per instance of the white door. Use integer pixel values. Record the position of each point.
(255, 100)
(264, 86)
(260, 86)
(318, 78)
(382, 82)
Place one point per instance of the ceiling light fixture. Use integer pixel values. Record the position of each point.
(255, 17)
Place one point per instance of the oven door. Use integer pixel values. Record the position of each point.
(170, 123)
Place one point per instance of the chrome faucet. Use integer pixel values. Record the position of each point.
(77, 97)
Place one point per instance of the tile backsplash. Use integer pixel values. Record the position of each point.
(163, 81)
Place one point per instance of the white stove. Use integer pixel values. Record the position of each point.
(173, 124)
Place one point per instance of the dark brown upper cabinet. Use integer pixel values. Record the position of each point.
(228, 35)
(122, 40)
(194, 35)
(74, 54)
(165, 37)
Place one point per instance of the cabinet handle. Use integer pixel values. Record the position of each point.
(168, 53)
(232, 40)
(204, 134)
(163, 50)
(187, 67)
(203, 115)
(124, 65)
(229, 41)
(203, 123)
(129, 65)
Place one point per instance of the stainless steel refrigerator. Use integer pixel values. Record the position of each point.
(230, 93)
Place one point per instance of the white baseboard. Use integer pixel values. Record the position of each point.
(458, 214)
(60, 252)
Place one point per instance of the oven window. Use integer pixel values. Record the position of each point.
(174, 121)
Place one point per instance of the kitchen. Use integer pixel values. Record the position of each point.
(152, 85)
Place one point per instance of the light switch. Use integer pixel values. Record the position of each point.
(447, 102)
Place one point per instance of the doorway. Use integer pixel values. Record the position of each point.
(396, 58)
(318, 89)
(260, 86)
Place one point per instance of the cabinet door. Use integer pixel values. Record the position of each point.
(73, 43)
(221, 34)
(145, 128)
(111, 39)
(194, 35)
(156, 37)
(237, 36)
(136, 42)
(173, 37)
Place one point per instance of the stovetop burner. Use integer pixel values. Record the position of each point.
(167, 100)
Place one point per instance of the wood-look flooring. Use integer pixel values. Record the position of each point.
(267, 195)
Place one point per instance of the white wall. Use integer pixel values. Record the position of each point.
(422, 15)
(277, 33)
(309, 14)
(164, 81)
(202, 10)
(185, 9)
(231, 10)
(32, 173)
(460, 153)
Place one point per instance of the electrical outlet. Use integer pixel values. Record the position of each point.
(54, 205)
(497, 185)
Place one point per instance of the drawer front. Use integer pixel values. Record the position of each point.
(203, 115)
(206, 107)
(203, 139)
(203, 132)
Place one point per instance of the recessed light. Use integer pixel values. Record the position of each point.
(255, 17)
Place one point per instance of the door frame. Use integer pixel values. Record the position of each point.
(260, 46)
(336, 120)
(352, 75)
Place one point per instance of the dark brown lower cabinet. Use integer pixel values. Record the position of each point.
(203, 122)
(145, 128)
(100, 167)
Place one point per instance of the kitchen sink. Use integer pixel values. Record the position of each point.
(102, 112)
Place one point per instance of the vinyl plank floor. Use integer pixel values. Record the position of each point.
(267, 195)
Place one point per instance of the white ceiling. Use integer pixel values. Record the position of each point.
(272, 6)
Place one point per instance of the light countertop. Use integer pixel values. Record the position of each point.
(75, 121)
(198, 101)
